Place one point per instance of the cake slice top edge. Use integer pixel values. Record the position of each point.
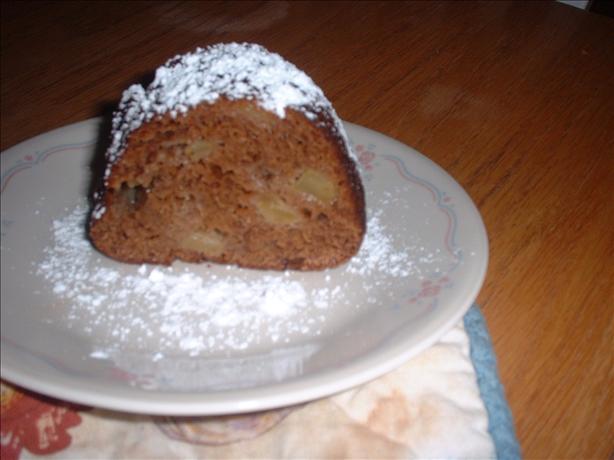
(229, 70)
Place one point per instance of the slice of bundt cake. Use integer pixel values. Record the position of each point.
(231, 155)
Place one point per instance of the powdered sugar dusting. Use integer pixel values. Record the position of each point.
(234, 71)
(174, 308)
(185, 310)
(378, 254)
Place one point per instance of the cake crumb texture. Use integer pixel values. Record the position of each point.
(217, 161)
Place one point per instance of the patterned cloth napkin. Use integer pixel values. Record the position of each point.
(446, 402)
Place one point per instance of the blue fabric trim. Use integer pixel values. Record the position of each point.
(500, 422)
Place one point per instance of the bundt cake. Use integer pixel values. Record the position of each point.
(230, 155)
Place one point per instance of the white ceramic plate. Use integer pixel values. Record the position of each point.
(422, 266)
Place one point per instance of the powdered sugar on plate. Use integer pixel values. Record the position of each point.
(212, 309)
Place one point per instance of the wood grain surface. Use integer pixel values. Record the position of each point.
(515, 100)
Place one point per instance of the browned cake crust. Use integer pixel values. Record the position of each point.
(231, 182)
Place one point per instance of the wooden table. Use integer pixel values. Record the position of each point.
(515, 100)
